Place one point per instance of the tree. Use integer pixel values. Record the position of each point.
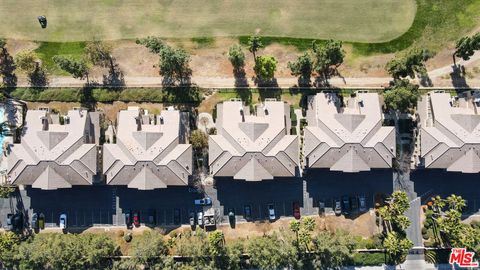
(267, 252)
(66, 251)
(99, 53)
(154, 44)
(27, 60)
(396, 246)
(456, 202)
(265, 67)
(393, 212)
(174, 63)
(254, 44)
(79, 69)
(199, 140)
(328, 56)
(333, 250)
(237, 58)
(401, 96)
(3, 44)
(466, 47)
(9, 242)
(303, 67)
(149, 249)
(6, 190)
(409, 63)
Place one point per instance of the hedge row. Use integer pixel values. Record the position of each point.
(174, 95)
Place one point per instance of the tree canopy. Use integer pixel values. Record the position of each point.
(79, 69)
(466, 46)
(328, 55)
(236, 57)
(302, 67)
(174, 62)
(254, 44)
(27, 60)
(199, 140)
(98, 53)
(265, 67)
(408, 64)
(402, 96)
(66, 251)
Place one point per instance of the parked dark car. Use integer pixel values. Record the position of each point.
(18, 221)
(34, 223)
(231, 217)
(152, 217)
(43, 21)
(176, 216)
(296, 210)
(136, 219)
(247, 212)
(128, 219)
(354, 203)
(321, 207)
(346, 205)
(9, 222)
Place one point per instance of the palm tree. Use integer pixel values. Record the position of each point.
(456, 202)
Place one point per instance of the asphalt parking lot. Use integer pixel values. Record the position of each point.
(88, 206)
(438, 182)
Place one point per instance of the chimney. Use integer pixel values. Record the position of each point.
(44, 123)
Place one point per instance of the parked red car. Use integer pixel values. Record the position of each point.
(136, 219)
(296, 210)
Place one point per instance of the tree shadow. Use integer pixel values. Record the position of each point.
(245, 94)
(38, 78)
(270, 91)
(425, 80)
(115, 77)
(7, 69)
(321, 81)
(240, 77)
(458, 77)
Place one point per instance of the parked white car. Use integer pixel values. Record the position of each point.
(200, 218)
(63, 221)
(271, 212)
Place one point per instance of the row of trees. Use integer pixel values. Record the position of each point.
(300, 247)
(395, 223)
(323, 60)
(444, 218)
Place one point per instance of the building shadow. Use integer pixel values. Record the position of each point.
(170, 207)
(281, 192)
(83, 205)
(327, 186)
(432, 182)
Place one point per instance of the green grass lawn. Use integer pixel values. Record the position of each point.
(47, 50)
(352, 20)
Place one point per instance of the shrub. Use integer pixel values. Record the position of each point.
(141, 95)
(127, 237)
(104, 95)
(368, 259)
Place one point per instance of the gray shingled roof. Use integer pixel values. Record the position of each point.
(450, 132)
(51, 155)
(253, 147)
(148, 154)
(350, 138)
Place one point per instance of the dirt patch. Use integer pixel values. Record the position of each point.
(134, 59)
(14, 46)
